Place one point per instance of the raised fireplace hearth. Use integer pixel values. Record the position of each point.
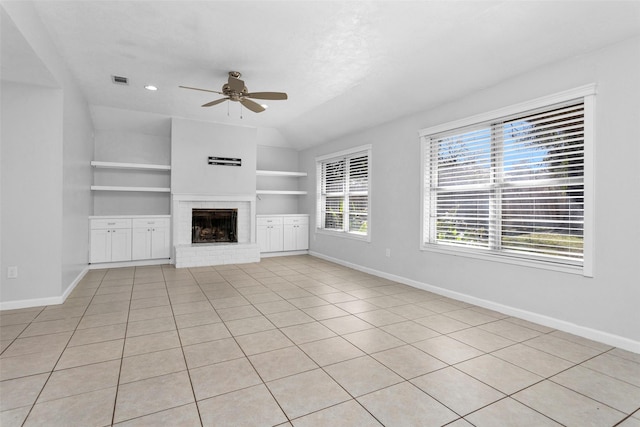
(214, 225)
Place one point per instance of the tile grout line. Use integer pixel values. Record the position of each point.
(61, 353)
(236, 342)
(292, 275)
(354, 398)
(409, 381)
(184, 357)
(296, 345)
(124, 343)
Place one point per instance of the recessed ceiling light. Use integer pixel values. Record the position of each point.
(150, 87)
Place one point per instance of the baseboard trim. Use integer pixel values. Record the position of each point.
(551, 322)
(39, 302)
(285, 253)
(139, 263)
(75, 282)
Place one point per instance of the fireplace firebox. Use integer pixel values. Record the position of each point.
(214, 225)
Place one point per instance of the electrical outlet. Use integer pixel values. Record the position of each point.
(388, 252)
(12, 272)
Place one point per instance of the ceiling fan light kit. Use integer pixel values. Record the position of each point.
(235, 90)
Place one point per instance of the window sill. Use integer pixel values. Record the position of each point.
(342, 234)
(505, 259)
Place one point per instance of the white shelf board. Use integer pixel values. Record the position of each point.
(279, 173)
(139, 166)
(285, 192)
(140, 189)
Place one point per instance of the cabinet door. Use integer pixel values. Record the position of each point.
(275, 238)
(160, 247)
(296, 233)
(262, 237)
(269, 238)
(289, 237)
(141, 243)
(302, 237)
(296, 237)
(100, 246)
(120, 244)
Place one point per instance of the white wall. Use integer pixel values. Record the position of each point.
(192, 142)
(277, 159)
(31, 134)
(55, 176)
(77, 200)
(604, 307)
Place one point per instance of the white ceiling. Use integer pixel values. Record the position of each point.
(346, 65)
(18, 62)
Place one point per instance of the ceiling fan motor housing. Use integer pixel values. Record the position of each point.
(235, 84)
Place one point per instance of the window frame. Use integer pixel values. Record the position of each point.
(585, 94)
(344, 154)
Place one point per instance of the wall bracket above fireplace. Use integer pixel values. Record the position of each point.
(225, 161)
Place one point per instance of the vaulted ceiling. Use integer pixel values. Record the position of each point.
(346, 65)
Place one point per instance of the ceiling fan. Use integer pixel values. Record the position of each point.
(235, 90)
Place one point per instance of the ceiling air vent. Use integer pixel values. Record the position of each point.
(119, 80)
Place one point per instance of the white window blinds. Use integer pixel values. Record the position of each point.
(343, 192)
(514, 186)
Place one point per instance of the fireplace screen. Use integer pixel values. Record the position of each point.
(214, 225)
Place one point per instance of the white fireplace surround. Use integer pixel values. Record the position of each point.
(187, 254)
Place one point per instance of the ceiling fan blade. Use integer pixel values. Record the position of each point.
(216, 102)
(267, 95)
(253, 106)
(203, 90)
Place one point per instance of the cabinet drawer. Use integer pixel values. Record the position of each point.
(276, 220)
(150, 222)
(288, 220)
(101, 224)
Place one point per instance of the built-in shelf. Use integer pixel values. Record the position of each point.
(137, 166)
(280, 173)
(132, 166)
(285, 192)
(285, 174)
(139, 189)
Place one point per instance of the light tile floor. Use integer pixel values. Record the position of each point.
(296, 341)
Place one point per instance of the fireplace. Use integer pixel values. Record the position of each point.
(189, 254)
(214, 225)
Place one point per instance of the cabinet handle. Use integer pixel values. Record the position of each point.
(111, 223)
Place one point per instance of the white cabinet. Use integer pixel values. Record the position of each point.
(269, 233)
(277, 233)
(131, 238)
(296, 233)
(110, 240)
(150, 238)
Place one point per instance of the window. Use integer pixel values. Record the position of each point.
(512, 186)
(344, 181)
